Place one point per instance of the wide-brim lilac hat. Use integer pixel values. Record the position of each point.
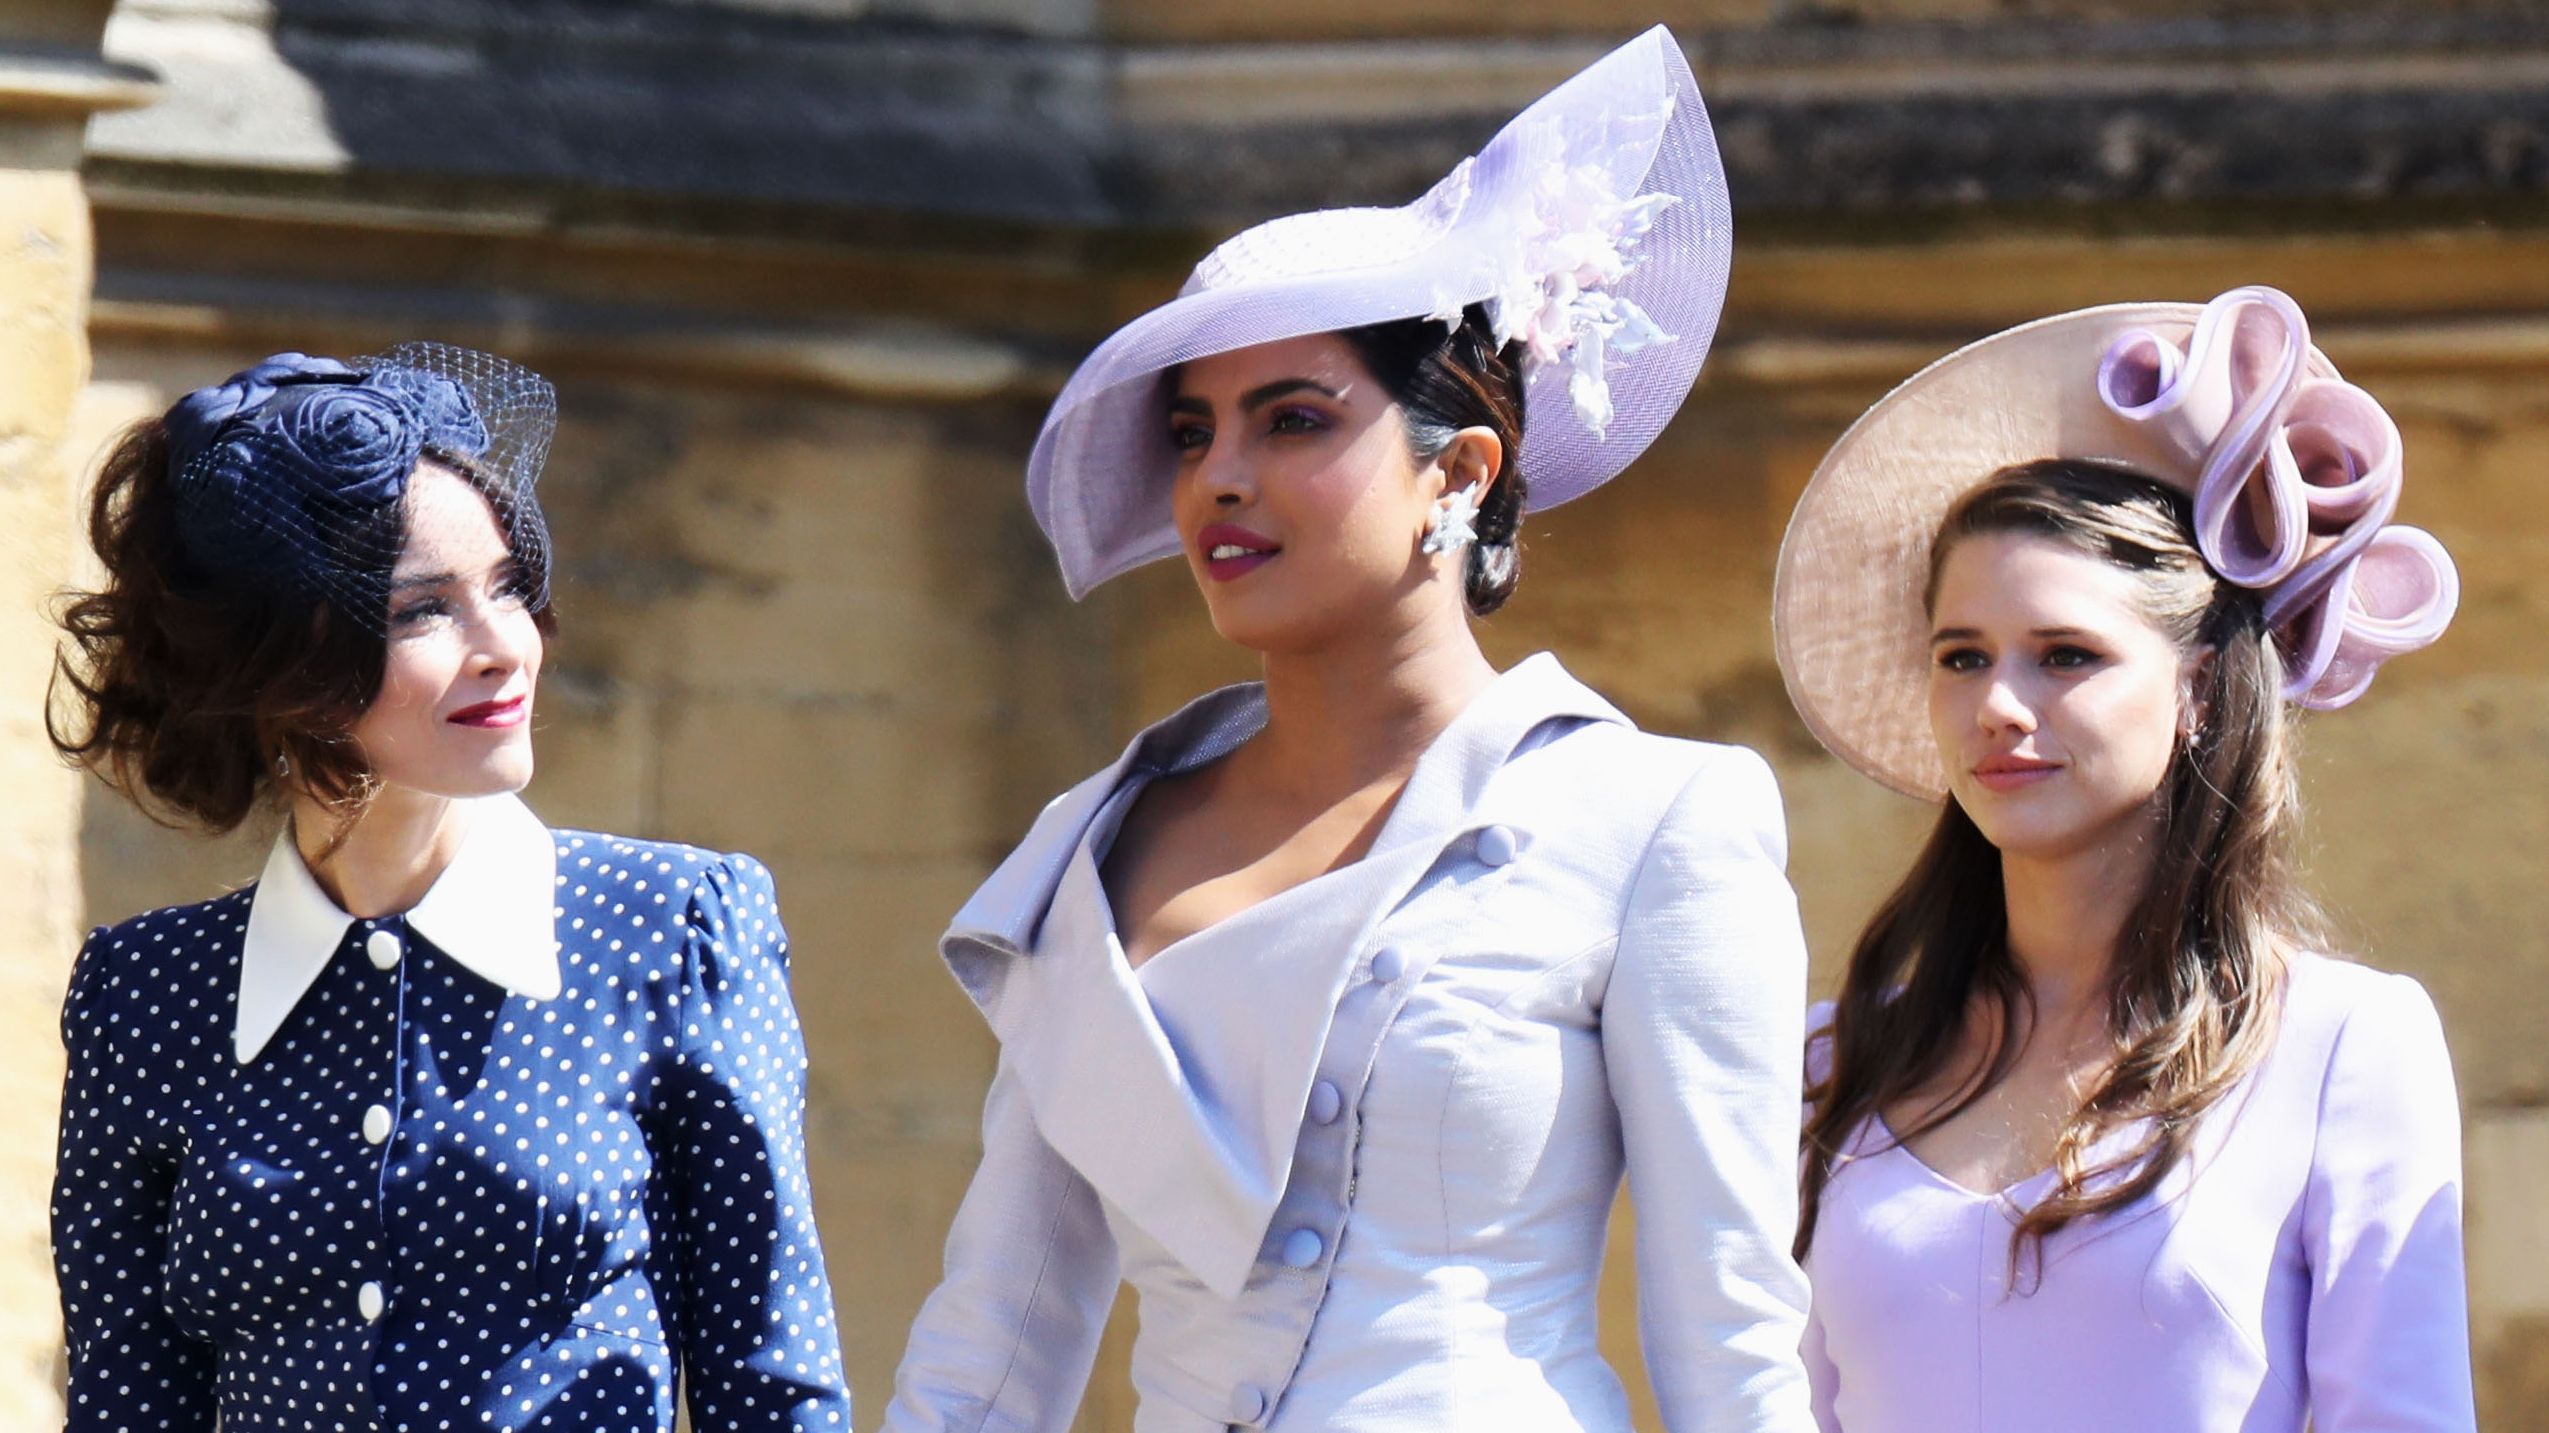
(1594, 228)
(2295, 475)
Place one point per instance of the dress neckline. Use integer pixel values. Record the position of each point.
(2006, 1193)
(1100, 840)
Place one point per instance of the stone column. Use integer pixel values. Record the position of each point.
(52, 79)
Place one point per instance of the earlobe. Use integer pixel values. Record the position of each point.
(1468, 467)
(2193, 710)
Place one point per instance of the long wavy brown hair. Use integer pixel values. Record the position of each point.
(2197, 975)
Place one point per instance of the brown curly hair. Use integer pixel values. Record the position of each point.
(197, 698)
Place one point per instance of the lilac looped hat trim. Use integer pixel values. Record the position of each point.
(2295, 477)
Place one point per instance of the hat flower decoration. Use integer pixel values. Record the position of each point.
(2294, 475)
(289, 473)
(1593, 229)
(1570, 246)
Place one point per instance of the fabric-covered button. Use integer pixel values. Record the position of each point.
(1302, 1248)
(1389, 965)
(1496, 845)
(1247, 1404)
(376, 1123)
(383, 949)
(1326, 1103)
(369, 1301)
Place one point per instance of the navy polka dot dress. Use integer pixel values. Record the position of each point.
(427, 1201)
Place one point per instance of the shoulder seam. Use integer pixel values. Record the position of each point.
(1655, 840)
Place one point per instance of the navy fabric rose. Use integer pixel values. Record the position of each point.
(198, 418)
(281, 470)
(451, 420)
(225, 521)
(353, 445)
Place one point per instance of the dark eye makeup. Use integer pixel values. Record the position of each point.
(1296, 420)
(419, 611)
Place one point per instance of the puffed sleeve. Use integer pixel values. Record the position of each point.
(1703, 1032)
(757, 1339)
(130, 1368)
(2388, 1342)
(1007, 1340)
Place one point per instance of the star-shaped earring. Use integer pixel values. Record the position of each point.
(1455, 524)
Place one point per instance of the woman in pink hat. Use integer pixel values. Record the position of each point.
(2099, 1139)
(1332, 1014)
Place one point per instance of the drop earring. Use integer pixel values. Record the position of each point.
(1455, 523)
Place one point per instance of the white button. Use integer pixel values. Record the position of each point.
(376, 1124)
(1326, 1103)
(1302, 1248)
(1496, 845)
(1388, 965)
(1247, 1405)
(382, 948)
(369, 1300)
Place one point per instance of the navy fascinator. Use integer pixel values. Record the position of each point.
(292, 475)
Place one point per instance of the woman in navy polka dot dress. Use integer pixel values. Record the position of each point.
(450, 1121)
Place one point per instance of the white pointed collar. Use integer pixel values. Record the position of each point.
(493, 910)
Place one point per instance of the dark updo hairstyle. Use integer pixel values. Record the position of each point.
(1447, 379)
(193, 694)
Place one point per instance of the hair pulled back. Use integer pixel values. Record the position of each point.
(1445, 379)
(2197, 972)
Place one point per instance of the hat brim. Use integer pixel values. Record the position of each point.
(1098, 480)
(1847, 616)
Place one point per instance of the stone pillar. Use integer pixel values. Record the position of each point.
(51, 79)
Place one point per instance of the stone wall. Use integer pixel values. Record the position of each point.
(51, 79)
(43, 280)
(807, 614)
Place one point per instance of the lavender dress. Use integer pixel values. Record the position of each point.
(2303, 1267)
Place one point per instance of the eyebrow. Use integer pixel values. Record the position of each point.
(1972, 634)
(503, 568)
(1257, 397)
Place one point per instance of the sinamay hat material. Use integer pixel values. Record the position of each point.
(1594, 227)
(2295, 474)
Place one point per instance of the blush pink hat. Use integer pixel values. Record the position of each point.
(1593, 227)
(2295, 475)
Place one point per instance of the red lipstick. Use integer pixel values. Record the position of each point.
(494, 716)
(1231, 552)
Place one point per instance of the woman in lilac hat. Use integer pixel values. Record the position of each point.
(1332, 1013)
(2101, 1140)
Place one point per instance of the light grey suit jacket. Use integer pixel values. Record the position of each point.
(1356, 1147)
